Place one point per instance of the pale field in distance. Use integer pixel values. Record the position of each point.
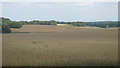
(44, 45)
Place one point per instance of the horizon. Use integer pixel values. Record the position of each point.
(61, 11)
(63, 21)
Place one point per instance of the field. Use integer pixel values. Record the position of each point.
(64, 25)
(44, 45)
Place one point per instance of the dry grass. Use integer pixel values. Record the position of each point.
(0, 50)
(60, 46)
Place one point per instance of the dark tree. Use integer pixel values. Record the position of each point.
(6, 29)
(5, 24)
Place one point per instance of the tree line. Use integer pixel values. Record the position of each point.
(6, 24)
(104, 24)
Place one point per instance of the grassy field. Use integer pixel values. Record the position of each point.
(0, 50)
(44, 45)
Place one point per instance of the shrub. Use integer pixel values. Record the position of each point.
(6, 29)
(15, 25)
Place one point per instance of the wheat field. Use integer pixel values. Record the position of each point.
(44, 45)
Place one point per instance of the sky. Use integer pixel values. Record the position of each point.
(60, 11)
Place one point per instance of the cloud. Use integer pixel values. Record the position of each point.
(39, 4)
(23, 3)
(84, 3)
(60, 0)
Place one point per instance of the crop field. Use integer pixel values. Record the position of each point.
(45, 45)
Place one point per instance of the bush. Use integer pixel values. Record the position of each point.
(5, 25)
(78, 24)
(15, 25)
(6, 29)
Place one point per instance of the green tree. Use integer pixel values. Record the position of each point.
(15, 24)
(5, 24)
(78, 24)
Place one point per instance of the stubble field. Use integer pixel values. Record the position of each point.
(44, 45)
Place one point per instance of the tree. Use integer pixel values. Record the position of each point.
(52, 22)
(5, 24)
(6, 29)
(78, 24)
(15, 24)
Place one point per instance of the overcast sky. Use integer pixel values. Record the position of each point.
(61, 11)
